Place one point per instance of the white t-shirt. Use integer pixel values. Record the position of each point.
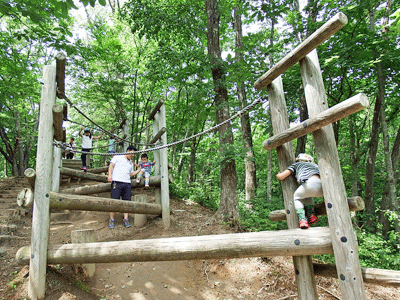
(86, 142)
(122, 169)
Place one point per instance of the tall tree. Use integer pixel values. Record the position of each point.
(249, 160)
(228, 207)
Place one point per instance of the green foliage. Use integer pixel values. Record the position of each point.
(256, 218)
(206, 195)
(376, 252)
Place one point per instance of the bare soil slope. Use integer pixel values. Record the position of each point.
(251, 278)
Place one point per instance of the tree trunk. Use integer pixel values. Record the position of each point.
(192, 161)
(228, 208)
(250, 165)
(301, 141)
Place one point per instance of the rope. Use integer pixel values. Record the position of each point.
(58, 144)
(90, 120)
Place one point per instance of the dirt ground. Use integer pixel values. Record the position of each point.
(249, 278)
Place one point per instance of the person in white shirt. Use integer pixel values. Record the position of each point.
(87, 144)
(71, 147)
(120, 172)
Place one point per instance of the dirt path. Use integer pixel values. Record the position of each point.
(250, 278)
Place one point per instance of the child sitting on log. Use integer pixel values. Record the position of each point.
(145, 169)
(307, 175)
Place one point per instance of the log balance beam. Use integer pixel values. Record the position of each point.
(329, 116)
(88, 203)
(291, 242)
(355, 204)
(155, 181)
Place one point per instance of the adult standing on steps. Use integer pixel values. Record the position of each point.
(87, 143)
(120, 172)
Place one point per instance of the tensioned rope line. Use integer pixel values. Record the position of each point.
(93, 122)
(238, 114)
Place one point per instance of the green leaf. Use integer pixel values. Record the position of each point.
(103, 2)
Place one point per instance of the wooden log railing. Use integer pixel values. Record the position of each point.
(313, 41)
(89, 203)
(292, 242)
(370, 275)
(81, 174)
(155, 181)
(355, 204)
(329, 116)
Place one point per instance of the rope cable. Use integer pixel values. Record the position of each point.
(258, 101)
(90, 120)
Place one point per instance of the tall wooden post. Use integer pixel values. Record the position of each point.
(344, 240)
(55, 187)
(156, 128)
(41, 219)
(164, 172)
(305, 281)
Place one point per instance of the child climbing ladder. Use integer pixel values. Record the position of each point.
(307, 175)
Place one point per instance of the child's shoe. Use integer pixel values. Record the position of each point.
(312, 219)
(111, 224)
(146, 186)
(303, 224)
(126, 223)
(137, 180)
(84, 169)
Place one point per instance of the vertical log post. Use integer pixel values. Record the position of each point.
(55, 187)
(164, 172)
(41, 218)
(30, 174)
(60, 74)
(344, 240)
(156, 128)
(140, 220)
(305, 281)
(80, 237)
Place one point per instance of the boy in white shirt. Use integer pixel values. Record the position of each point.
(120, 172)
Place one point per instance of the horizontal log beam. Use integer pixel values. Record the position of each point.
(158, 135)
(355, 204)
(98, 170)
(329, 116)
(370, 275)
(294, 242)
(156, 109)
(88, 203)
(155, 181)
(336, 23)
(82, 174)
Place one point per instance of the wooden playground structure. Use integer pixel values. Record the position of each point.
(339, 238)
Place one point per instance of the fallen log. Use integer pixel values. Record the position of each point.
(355, 204)
(98, 170)
(155, 181)
(82, 174)
(60, 201)
(370, 275)
(292, 242)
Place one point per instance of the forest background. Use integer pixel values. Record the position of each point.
(202, 58)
